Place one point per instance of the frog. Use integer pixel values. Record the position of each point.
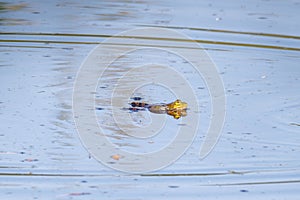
(176, 109)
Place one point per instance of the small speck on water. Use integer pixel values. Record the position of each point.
(173, 186)
(244, 191)
(67, 48)
(136, 98)
(262, 18)
(99, 108)
(247, 133)
(181, 124)
(30, 160)
(79, 193)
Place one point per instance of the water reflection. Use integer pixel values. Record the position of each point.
(11, 7)
(6, 19)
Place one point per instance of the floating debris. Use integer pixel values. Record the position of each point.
(116, 157)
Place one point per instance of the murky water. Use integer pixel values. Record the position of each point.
(255, 47)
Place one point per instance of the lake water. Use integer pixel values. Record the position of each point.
(255, 47)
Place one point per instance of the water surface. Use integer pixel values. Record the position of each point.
(255, 47)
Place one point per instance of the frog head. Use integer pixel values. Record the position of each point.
(177, 105)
